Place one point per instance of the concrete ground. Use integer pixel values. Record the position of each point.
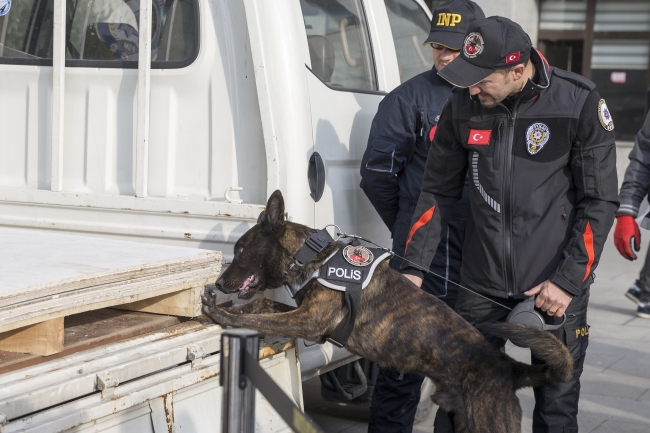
(615, 395)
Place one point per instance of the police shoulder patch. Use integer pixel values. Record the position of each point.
(537, 135)
(605, 116)
(358, 255)
(5, 6)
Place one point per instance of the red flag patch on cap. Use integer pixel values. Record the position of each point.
(479, 137)
(513, 57)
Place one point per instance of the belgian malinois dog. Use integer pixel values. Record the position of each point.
(398, 325)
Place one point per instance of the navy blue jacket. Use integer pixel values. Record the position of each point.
(393, 166)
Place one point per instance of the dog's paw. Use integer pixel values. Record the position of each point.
(218, 315)
(209, 297)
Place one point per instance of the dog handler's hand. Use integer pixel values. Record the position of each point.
(550, 298)
(415, 280)
(626, 230)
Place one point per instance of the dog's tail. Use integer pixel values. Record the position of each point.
(558, 362)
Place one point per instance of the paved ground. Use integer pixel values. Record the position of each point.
(615, 394)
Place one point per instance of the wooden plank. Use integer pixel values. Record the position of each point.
(92, 329)
(48, 312)
(186, 303)
(45, 338)
(69, 262)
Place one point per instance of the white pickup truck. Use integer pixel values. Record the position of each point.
(182, 143)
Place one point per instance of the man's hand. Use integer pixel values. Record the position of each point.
(626, 230)
(551, 299)
(415, 280)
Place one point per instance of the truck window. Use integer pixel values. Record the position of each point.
(100, 33)
(339, 43)
(410, 27)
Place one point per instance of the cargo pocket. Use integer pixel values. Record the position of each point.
(576, 338)
(382, 155)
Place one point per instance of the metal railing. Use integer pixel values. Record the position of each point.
(241, 375)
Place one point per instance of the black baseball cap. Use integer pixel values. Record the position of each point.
(490, 44)
(450, 22)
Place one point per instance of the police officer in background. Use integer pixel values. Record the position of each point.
(635, 188)
(391, 176)
(539, 146)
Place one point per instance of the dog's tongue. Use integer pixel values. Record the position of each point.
(243, 290)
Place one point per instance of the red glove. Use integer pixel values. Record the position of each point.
(627, 230)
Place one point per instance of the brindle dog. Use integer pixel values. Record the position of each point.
(398, 325)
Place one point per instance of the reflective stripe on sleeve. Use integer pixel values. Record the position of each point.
(425, 218)
(588, 237)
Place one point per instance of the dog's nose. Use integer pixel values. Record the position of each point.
(219, 283)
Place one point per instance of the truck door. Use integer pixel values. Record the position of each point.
(354, 62)
(344, 95)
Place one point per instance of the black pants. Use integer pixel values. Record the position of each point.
(556, 405)
(643, 282)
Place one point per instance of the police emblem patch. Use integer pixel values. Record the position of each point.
(537, 136)
(358, 255)
(5, 6)
(473, 45)
(605, 116)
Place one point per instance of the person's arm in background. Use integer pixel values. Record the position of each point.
(391, 146)
(442, 187)
(634, 189)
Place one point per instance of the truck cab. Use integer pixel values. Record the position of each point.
(182, 144)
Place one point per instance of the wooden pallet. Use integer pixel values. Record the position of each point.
(88, 330)
(46, 276)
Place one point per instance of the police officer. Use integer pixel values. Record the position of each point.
(391, 176)
(538, 143)
(636, 186)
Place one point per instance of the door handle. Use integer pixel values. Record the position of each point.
(344, 42)
(316, 176)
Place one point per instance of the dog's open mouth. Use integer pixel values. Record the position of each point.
(246, 291)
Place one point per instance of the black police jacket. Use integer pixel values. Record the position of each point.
(400, 136)
(392, 169)
(543, 186)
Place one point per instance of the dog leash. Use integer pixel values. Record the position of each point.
(343, 235)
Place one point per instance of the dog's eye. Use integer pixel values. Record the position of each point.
(238, 251)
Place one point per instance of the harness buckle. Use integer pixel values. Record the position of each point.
(319, 240)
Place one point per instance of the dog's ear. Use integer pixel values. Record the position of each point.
(274, 214)
(260, 218)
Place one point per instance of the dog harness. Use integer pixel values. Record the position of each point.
(347, 270)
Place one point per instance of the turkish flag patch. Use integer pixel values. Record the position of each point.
(513, 57)
(480, 137)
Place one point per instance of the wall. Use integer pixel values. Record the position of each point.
(524, 12)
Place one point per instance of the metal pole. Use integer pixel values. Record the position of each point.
(238, 401)
(58, 94)
(144, 99)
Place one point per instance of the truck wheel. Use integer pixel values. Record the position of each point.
(426, 405)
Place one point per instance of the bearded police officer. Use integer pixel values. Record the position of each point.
(636, 186)
(391, 176)
(539, 146)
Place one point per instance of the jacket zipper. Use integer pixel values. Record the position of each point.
(507, 199)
